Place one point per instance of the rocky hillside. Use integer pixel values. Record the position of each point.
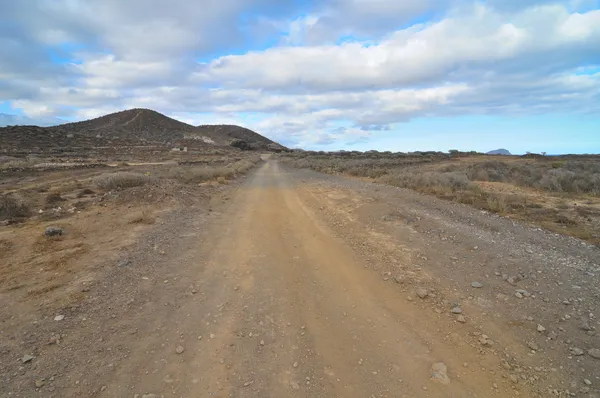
(237, 136)
(135, 127)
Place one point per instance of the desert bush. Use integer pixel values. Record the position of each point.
(497, 203)
(122, 180)
(13, 207)
(434, 182)
(53, 199)
(220, 173)
(85, 192)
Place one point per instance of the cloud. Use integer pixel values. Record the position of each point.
(339, 72)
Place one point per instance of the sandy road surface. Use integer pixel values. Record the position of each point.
(303, 286)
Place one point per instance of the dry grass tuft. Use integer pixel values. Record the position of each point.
(122, 180)
(13, 207)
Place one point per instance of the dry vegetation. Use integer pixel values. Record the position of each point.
(559, 193)
(101, 210)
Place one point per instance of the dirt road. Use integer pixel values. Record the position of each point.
(305, 285)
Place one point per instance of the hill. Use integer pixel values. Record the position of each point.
(237, 136)
(130, 128)
(500, 151)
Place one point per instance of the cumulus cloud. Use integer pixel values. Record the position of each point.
(339, 73)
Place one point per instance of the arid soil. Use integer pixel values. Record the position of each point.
(294, 283)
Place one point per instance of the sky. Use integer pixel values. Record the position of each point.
(398, 75)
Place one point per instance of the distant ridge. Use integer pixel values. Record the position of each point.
(500, 151)
(133, 127)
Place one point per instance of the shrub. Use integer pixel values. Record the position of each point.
(122, 180)
(497, 204)
(53, 199)
(12, 207)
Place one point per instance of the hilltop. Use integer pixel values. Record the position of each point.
(130, 128)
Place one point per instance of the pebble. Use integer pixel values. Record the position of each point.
(439, 373)
(262, 342)
(513, 378)
(594, 353)
(476, 285)
(295, 385)
(456, 310)
(179, 349)
(295, 364)
(461, 319)
(577, 351)
(518, 295)
(27, 358)
(532, 345)
(422, 292)
(588, 382)
(53, 231)
(540, 328)
(59, 317)
(149, 396)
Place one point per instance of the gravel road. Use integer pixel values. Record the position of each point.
(298, 284)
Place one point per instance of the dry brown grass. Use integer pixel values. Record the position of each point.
(216, 172)
(534, 190)
(13, 207)
(122, 180)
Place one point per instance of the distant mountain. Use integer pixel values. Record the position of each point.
(21, 120)
(134, 127)
(500, 151)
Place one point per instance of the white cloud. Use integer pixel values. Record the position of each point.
(501, 57)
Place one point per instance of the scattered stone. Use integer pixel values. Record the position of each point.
(439, 373)
(456, 310)
(262, 342)
(422, 293)
(295, 386)
(27, 358)
(461, 318)
(212, 336)
(149, 396)
(179, 349)
(53, 231)
(39, 383)
(585, 325)
(523, 292)
(476, 285)
(248, 383)
(59, 317)
(399, 279)
(594, 353)
(588, 382)
(577, 351)
(513, 378)
(540, 328)
(484, 340)
(532, 346)
(295, 364)
(124, 262)
(518, 295)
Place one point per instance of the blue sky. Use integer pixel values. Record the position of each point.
(331, 74)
